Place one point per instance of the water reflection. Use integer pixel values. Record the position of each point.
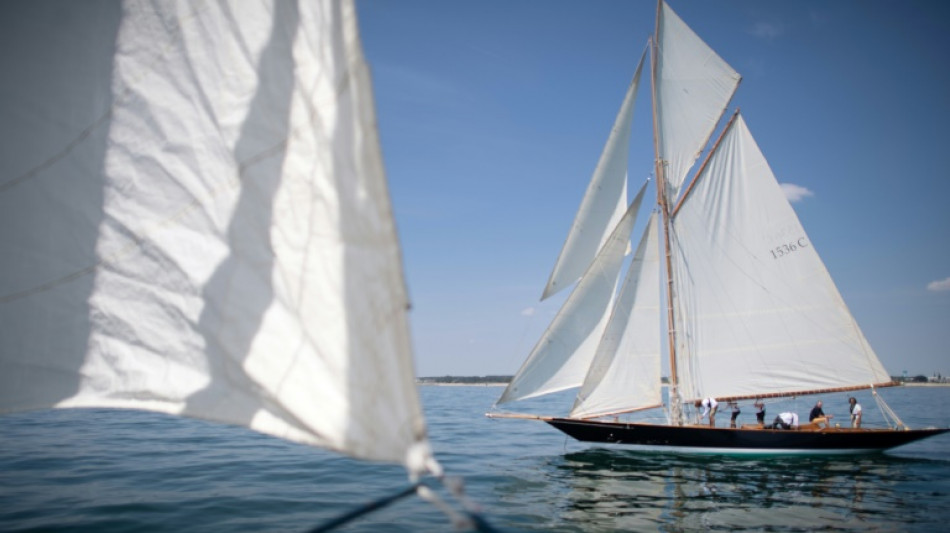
(609, 489)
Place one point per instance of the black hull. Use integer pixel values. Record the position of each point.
(699, 439)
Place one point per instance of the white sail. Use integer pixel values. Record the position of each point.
(604, 202)
(693, 88)
(625, 372)
(760, 311)
(195, 221)
(563, 354)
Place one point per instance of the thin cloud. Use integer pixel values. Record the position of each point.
(528, 311)
(795, 193)
(939, 286)
(767, 30)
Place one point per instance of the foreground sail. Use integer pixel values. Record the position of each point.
(750, 310)
(195, 220)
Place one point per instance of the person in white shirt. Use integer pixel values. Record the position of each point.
(786, 420)
(709, 406)
(855, 408)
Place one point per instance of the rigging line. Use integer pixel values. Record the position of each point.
(366, 509)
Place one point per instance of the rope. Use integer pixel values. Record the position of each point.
(469, 519)
(366, 509)
(886, 410)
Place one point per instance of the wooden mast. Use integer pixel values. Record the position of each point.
(676, 414)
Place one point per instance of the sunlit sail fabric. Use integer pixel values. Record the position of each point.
(562, 355)
(693, 88)
(195, 221)
(761, 313)
(603, 203)
(625, 371)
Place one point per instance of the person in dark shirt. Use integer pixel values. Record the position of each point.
(735, 413)
(759, 411)
(817, 415)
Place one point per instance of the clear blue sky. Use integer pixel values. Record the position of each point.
(493, 114)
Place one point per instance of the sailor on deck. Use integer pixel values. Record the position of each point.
(709, 406)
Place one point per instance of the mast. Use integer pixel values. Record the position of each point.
(676, 414)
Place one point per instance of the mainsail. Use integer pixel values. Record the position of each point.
(761, 314)
(195, 220)
(604, 201)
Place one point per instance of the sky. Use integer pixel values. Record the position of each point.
(493, 114)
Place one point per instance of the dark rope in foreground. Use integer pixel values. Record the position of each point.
(475, 520)
(366, 509)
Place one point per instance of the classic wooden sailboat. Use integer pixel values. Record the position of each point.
(750, 309)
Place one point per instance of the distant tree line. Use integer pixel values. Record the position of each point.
(465, 379)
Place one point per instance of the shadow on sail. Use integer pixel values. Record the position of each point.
(52, 187)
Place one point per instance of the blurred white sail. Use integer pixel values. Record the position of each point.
(195, 221)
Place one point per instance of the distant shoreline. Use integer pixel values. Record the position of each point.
(447, 384)
(429, 383)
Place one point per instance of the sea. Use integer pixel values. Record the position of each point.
(102, 470)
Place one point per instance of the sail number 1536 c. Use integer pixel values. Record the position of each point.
(785, 249)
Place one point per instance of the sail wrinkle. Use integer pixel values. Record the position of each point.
(223, 242)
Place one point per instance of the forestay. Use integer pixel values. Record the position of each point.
(625, 372)
(195, 221)
(760, 311)
(604, 201)
(562, 355)
(693, 88)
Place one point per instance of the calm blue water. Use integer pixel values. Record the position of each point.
(107, 471)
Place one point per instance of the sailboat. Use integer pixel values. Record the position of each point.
(723, 266)
(195, 221)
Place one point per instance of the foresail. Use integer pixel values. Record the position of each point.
(693, 86)
(562, 356)
(603, 203)
(759, 312)
(195, 221)
(625, 372)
